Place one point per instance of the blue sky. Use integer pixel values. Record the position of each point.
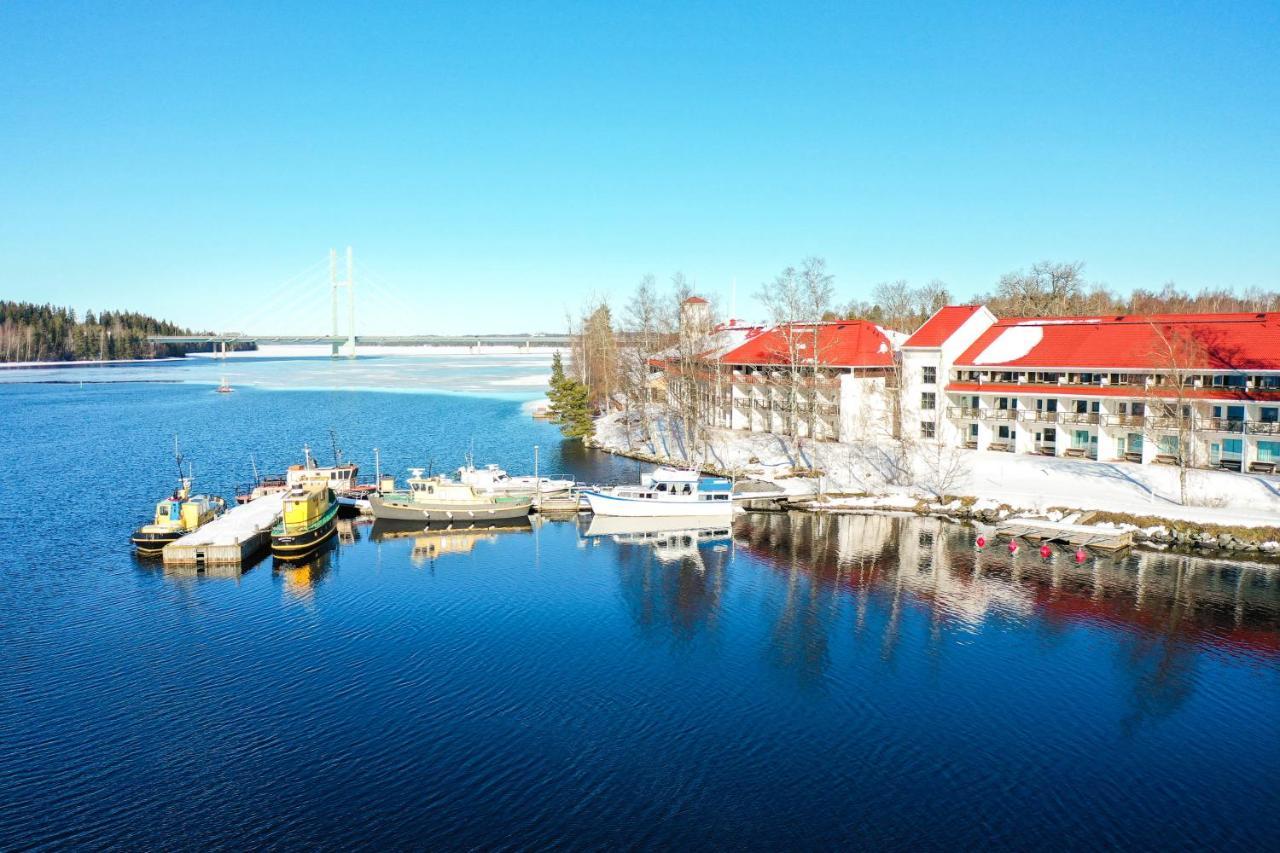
(493, 164)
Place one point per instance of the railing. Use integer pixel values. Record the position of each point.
(1223, 424)
(1171, 423)
(828, 409)
(962, 412)
(1263, 428)
(1038, 416)
(1078, 417)
(1125, 420)
(741, 403)
(999, 414)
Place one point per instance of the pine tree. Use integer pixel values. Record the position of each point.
(555, 393)
(575, 410)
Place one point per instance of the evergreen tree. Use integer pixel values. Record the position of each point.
(575, 410)
(555, 393)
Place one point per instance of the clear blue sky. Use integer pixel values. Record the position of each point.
(495, 163)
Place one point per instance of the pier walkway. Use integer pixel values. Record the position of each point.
(230, 539)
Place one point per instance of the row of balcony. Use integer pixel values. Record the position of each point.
(745, 405)
(1141, 421)
(1098, 380)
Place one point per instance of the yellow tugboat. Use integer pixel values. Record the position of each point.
(310, 511)
(177, 515)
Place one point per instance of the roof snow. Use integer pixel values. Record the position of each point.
(1012, 344)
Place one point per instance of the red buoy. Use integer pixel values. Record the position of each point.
(1013, 547)
(1080, 555)
(982, 542)
(1046, 551)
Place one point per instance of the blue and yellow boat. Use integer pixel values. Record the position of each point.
(310, 513)
(176, 516)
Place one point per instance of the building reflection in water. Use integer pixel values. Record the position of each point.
(672, 575)
(1165, 609)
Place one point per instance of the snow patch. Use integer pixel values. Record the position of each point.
(1012, 344)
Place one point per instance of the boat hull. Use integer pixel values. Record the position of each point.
(295, 545)
(154, 542)
(605, 504)
(398, 511)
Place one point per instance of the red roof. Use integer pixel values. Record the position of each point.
(695, 300)
(1244, 342)
(943, 324)
(845, 343)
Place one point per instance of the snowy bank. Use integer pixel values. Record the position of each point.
(1022, 483)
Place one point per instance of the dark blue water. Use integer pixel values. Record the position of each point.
(856, 681)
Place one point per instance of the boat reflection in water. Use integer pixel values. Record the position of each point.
(302, 576)
(439, 540)
(1166, 608)
(672, 575)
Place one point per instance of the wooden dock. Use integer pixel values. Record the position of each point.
(232, 538)
(1036, 532)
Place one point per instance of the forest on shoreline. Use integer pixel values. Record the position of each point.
(32, 332)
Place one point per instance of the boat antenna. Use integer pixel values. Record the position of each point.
(253, 461)
(306, 453)
(337, 454)
(177, 455)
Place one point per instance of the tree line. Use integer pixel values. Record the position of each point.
(609, 365)
(33, 332)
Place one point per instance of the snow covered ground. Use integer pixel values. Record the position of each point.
(1034, 483)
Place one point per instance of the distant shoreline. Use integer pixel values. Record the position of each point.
(19, 365)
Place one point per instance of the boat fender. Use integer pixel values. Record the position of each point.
(1080, 555)
(982, 542)
(1046, 552)
(1013, 547)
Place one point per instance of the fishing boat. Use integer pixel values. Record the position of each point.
(665, 492)
(310, 512)
(493, 479)
(175, 517)
(178, 514)
(341, 477)
(442, 499)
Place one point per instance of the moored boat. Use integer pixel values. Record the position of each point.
(308, 519)
(442, 499)
(175, 517)
(493, 479)
(665, 492)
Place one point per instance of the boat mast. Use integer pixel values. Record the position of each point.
(337, 454)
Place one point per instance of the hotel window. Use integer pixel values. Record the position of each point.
(930, 375)
(926, 429)
(1268, 415)
(928, 400)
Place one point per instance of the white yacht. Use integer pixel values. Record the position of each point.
(665, 492)
(493, 479)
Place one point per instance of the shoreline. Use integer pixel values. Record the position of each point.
(1162, 531)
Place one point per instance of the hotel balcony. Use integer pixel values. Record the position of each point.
(962, 412)
(1038, 417)
(999, 414)
(1125, 420)
(1222, 424)
(1263, 428)
(1078, 417)
(1171, 424)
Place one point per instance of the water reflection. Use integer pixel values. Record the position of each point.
(438, 540)
(672, 576)
(1165, 608)
(302, 577)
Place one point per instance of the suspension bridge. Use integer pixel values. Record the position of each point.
(300, 291)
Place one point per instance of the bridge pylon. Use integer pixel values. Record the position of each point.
(349, 282)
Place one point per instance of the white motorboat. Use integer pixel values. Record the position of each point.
(495, 480)
(666, 492)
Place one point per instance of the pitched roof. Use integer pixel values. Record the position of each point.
(943, 324)
(695, 300)
(844, 343)
(1248, 341)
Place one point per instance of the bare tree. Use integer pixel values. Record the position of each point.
(643, 323)
(1179, 358)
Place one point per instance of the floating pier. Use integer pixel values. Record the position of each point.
(1077, 535)
(230, 539)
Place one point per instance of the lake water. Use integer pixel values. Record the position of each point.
(796, 681)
